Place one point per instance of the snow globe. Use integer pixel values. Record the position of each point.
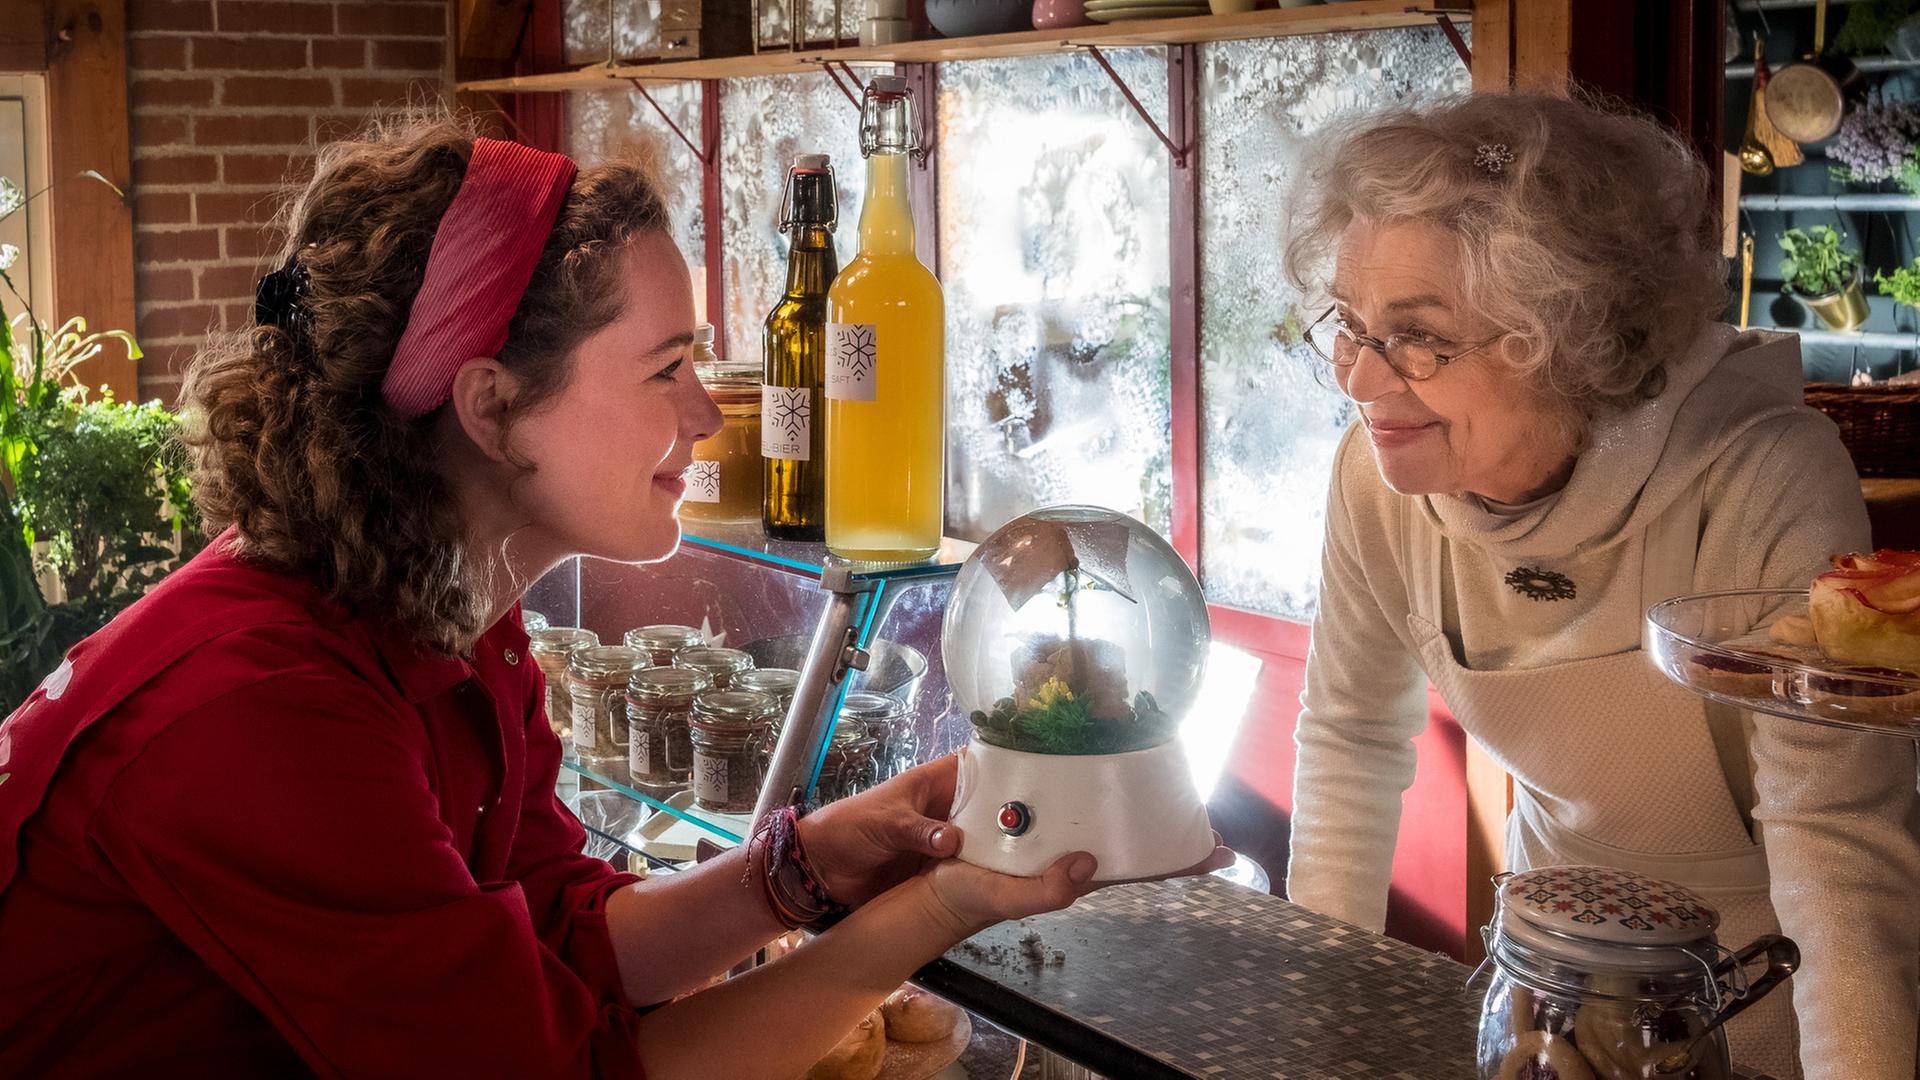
(1075, 641)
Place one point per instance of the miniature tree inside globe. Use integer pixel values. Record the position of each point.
(1075, 630)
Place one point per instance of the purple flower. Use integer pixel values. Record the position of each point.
(1876, 142)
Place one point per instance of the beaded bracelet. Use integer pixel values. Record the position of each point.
(795, 894)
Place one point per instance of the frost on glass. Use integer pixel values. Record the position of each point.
(1053, 239)
(765, 122)
(635, 25)
(1270, 423)
(607, 124)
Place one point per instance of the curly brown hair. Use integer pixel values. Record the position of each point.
(293, 443)
(1597, 243)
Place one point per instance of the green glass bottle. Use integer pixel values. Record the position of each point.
(793, 445)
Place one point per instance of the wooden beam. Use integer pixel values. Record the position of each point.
(23, 36)
(87, 126)
(1542, 45)
(488, 29)
(1492, 44)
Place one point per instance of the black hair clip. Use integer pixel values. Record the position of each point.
(276, 299)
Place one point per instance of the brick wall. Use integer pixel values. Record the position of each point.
(228, 99)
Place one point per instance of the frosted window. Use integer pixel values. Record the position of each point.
(635, 25)
(607, 124)
(765, 122)
(1053, 239)
(1270, 427)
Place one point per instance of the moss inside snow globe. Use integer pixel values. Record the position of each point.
(1075, 630)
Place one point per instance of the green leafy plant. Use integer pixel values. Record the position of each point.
(1816, 263)
(102, 484)
(1869, 26)
(1903, 284)
(1058, 721)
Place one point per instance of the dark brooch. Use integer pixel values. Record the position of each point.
(1541, 584)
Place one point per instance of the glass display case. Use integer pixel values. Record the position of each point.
(777, 604)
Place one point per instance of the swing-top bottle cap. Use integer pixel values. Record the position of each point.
(810, 162)
(887, 84)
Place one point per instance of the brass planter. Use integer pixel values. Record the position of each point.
(1843, 310)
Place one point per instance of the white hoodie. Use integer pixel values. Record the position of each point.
(1780, 497)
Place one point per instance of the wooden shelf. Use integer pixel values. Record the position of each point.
(1283, 22)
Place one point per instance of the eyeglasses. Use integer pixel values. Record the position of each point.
(1414, 357)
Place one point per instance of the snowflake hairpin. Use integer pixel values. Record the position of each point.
(1493, 157)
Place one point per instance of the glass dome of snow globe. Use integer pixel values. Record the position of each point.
(1075, 630)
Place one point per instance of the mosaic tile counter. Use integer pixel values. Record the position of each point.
(1203, 978)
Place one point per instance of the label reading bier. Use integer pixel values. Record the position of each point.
(786, 422)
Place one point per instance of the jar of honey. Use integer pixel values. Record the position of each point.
(719, 665)
(661, 642)
(724, 482)
(659, 709)
(729, 734)
(551, 648)
(597, 678)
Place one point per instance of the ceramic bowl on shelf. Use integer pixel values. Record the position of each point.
(973, 18)
(1059, 14)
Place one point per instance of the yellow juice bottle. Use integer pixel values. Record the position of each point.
(886, 361)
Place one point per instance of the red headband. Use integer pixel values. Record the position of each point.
(483, 255)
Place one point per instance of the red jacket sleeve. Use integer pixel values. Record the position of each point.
(566, 890)
(288, 834)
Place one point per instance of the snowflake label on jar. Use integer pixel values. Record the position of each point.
(703, 481)
(710, 780)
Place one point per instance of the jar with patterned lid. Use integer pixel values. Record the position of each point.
(776, 682)
(1603, 973)
(660, 643)
(718, 664)
(551, 648)
(597, 678)
(659, 706)
(729, 732)
(885, 718)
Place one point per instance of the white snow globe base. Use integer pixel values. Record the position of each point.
(1137, 813)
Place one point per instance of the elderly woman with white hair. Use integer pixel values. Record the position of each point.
(1557, 432)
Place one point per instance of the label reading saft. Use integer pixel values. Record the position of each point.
(853, 361)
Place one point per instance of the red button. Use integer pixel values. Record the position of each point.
(1015, 818)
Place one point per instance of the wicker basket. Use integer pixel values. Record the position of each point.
(1880, 424)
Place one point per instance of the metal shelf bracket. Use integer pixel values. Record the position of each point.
(1179, 152)
(1455, 38)
(703, 153)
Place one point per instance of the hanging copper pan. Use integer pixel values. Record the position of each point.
(1806, 99)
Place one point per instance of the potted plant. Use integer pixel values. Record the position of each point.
(99, 487)
(1878, 142)
(1824, 276)
(1903, 284)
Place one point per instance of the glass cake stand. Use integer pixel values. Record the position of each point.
(1718, 645)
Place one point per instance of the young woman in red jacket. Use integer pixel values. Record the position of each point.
(293, 812)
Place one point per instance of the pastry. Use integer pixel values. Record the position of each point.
(1541, 1055)
(1628, 1042)
(1735, 676)
(1796, 630)
(859, 1056)
(1874, 695)
(1867, 610)
(915, 1016)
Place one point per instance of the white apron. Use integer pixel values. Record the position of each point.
(1614, 765)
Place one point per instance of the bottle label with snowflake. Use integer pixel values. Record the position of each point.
(852, 361)
(786, 422)
(703, 482)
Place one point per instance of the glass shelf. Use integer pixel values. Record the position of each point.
(747, 542)
(719, 830)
